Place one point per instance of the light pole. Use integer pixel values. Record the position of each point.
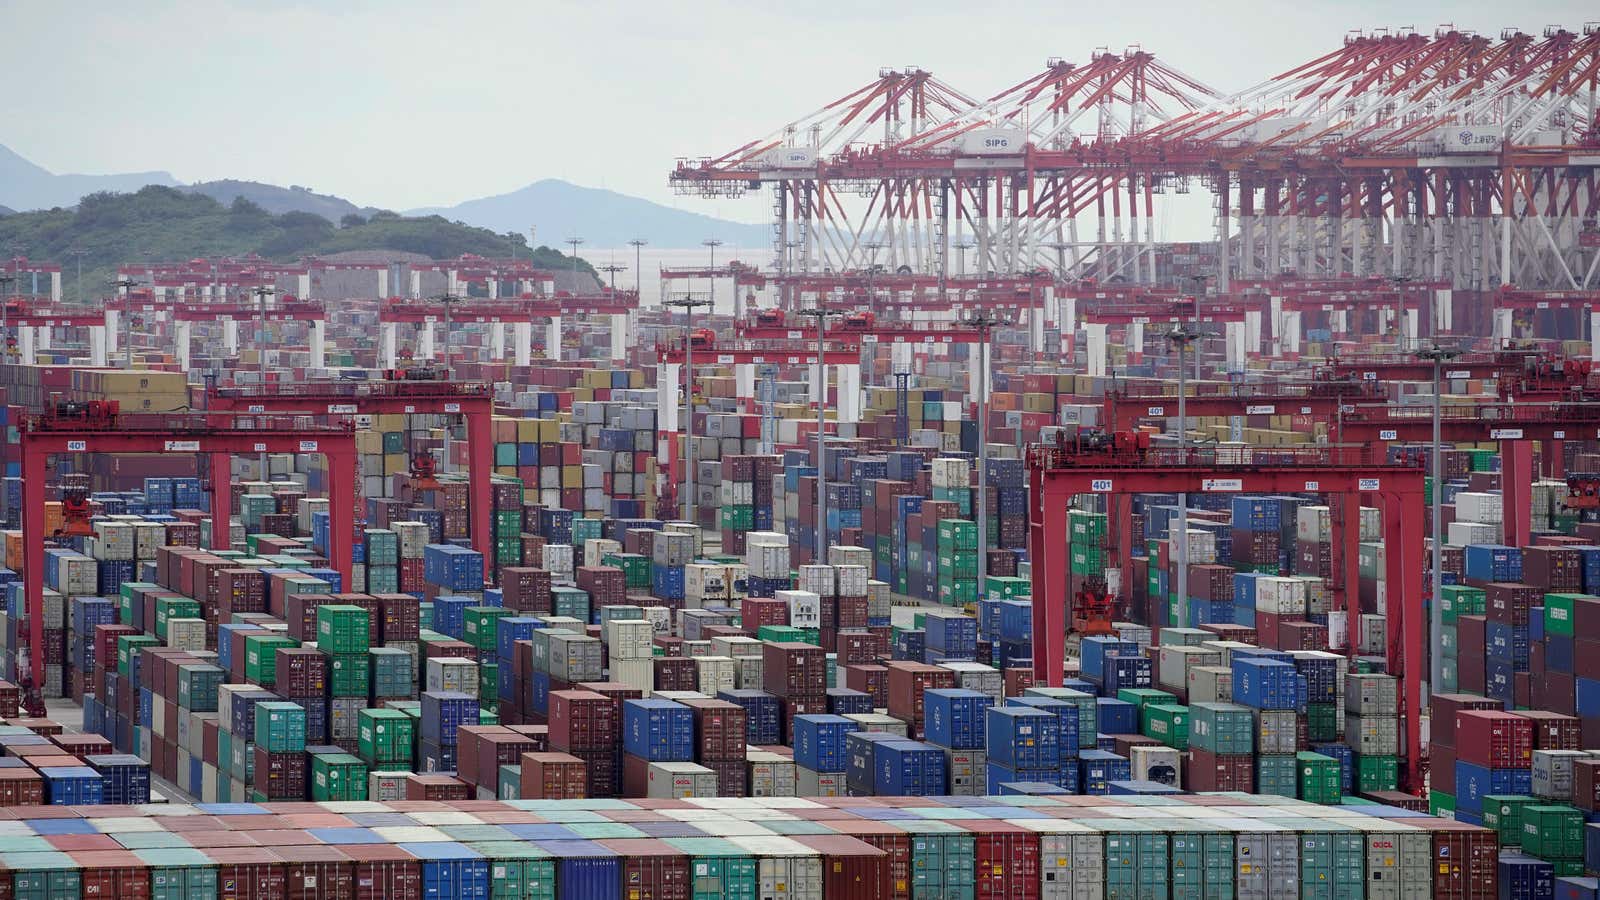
(448, 300)
(575, 242)
(612, 269)
(821, 314)
(123, 286)
(1438, 355)
(79, 252)
(5, 315)
(983, 322)
(687, 303)
(1182, 339)
(712, 244)
(638, 267)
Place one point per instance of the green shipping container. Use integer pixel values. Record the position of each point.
(1142, 697)
(957, 534)
(128, 649)
(1503, 813)
(1277, 773)
(479, 625)
(718, 869)
(342, 628)
(280, 727)
(1008, 587)
(1457, 600)
(738, 517)
(518, 870)
(1221, 728)
(1558, 609)
(337, 776)
(507, 522)
(1322, 722)
(942, 860)
(180, 874)
(1377, 773)
(488, 682)
(958, 591)
(169, 608)
(42, 875)
(385, 736)
(1167, 723)
(958, 563)
(510, 783)
(1137, 865)
(1319, 778)
(261, 657)
(349, 675)
(1552, 832)
(779, 633)
(1332, 866)
(393, 672)
(1441, 803)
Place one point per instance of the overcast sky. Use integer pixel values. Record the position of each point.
(406, 104)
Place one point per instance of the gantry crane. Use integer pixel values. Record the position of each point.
(1127, 404)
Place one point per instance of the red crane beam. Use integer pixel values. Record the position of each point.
(218, 437)
(1348, 473)
(472, 400)
(1125, 407)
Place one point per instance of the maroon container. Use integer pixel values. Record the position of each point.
(300, 613)
(384, 872)
(676, 674)
(1497, 740)
(553, 776)
(1553, 730)
(603, 771)
(526, 589)
(606, 585)
(652, 869)
(1007, 860)
(872, 680)
(249, 873)
(1298, 635)
(755, 612)
(720, 730)
(1465, 862)
(859, 647)
(907, 682)
(1586, 784)
(793, 669)
(398, 616)
(318, 872)
(1207, 771)
(280, 776)
(733, 776)
(1510, 603)
(436, 787)
(1554, 569)
(851, 612)
(794, 706)
(120, 875)
(301, 672)
(502, 748)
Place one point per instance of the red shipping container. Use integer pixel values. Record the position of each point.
(1498, 740)
(120, 875)
(719, 730)
(733, 776)
(603, 771)
(652, 869)
(1007, 860)
(792, 669)
(249, 873)
(553, 776)
(1207, 771)
(436, 787)
(583, 720)
(907, 682)
(318, 872)
(1466, 862)
(872, 680)
(280, 776)
(1510, 603)
(676, 674)
(301, 672)
(384, 872)
(891, 840)
(859, 647)
(1586, 784)
(855, 869)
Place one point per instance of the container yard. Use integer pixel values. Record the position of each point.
(1264, 567)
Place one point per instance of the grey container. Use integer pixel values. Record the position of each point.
(678, 780)
(771, 774)
(1072, 866)
(1267, 866)
(575, 658)
(968, 771)
(1399, 865)
(1210, 684)
(811, 783)
(1552, 773)
(1276, 731)
(1371, 695)
(1373, 735)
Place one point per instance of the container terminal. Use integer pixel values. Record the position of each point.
(957, 549)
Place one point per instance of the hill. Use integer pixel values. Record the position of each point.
(24, 185)
(560, 209)
(278, 200)
(167, 223)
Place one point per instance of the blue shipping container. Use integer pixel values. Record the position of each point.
(819, 742)
(658, 730)
(1022, 737)
(955, 717)
(908, 769)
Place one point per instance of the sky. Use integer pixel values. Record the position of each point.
(406, 104)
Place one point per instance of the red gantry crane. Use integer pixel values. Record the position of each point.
(98, 427)
(472, 400)
(1346, 474)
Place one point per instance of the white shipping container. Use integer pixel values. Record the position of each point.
(694, 533)
(849, 556)
(186, 634)
(810, 783)
(114, 540)
(452, 674)
(736, 646)
(1552, 773)
(805, 607)
(635, 673)
(771, 774)
(1371, 695)
(819, 580)
(629, 638)
(749, 673)
(1460, 534)
(149, 538)
(1159, 764)
(672, 548)
(1313, 523)
(767, 560)
(1175, 661)
(1374, 634)
(879, 722)
(678, 780)
(1280, 596)
(978, 677)
(660, 619)
(1376, 735)
(412, 538)
(1371, 524)
(596, 550)
(967, 772)
(851, 579)
(715, 674)
(736, 493)
(705, 581)
(950, 472)
(1476, 506)
(558, 560)
(1210, 684)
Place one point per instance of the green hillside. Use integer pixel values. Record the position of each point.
(162, 223)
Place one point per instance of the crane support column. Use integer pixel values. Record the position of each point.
(1048, 524)
(1136, 342)
(1443, 311)
(1502, 327)
(425, 341)
(185, 336)
(744, 381)
(55, 287)
(42, 337)
(230, 337)
(1594, 335)
(1252, 332)
(1403, 517)
(1096, 348)
(416, 284)
(113, 329)
(1275, 317)
(97, 345)
(480, 451)
(497, 340)
(319, 345)
(1516, 488)
(387, 338)
(1292, 335)
(849, 404)
(619, 336)
(522, 343)
(27, 346)
(552, 339)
